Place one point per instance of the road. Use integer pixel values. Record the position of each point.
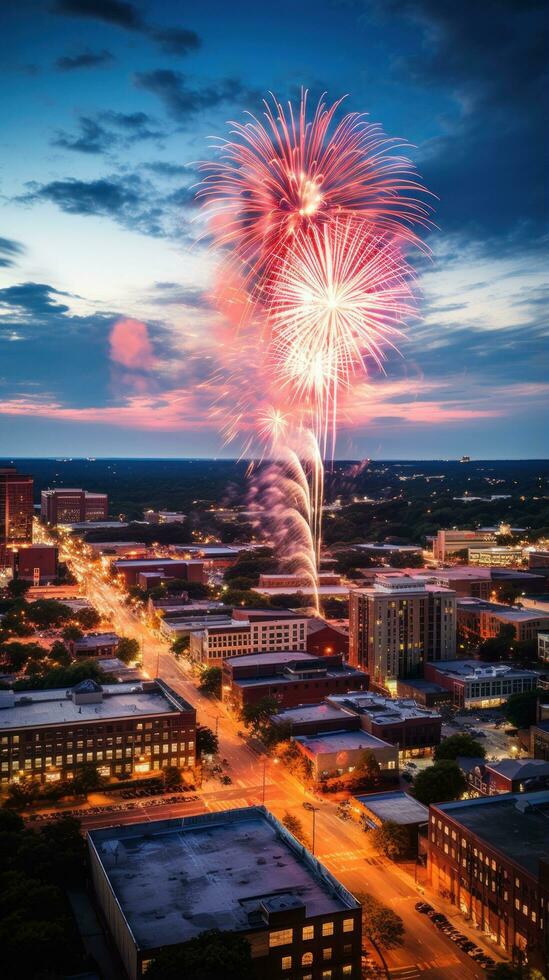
(341, 845)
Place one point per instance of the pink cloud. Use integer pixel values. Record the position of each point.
(130, 345)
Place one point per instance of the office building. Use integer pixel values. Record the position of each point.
(339, 753)
(121, 729)
(161, 884)
(448, 543)
(67, 505)
(398, 624)
(490, 857)
(474, 684)
(36, 563)
(103, 646)
(164, 516)
(291, 678)
(481, 620)
(329, 584)
(258, 632)
(402, 722)
(166, 568)
(505, 775)
(16, 511)
(495, 557)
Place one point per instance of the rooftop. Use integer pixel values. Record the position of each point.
(511, 613)
(342, 742)
(284, 657)
(129, 562)
(383, 709)
(174, 879)
(520, 768)
(96, 639)
(375, 546)
(469, 669)
(397, 806)
(310, 712)
(515, 824)
(29, 709)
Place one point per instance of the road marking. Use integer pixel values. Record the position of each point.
(404, 973)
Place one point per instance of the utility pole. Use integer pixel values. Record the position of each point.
(314, 810)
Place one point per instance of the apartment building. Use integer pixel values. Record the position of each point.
(258, 632)
(68, 505)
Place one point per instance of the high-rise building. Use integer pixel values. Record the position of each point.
(16, 510)
(397, 625)
(67, 505)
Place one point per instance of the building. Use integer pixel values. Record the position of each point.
(121, 729)
(36, 563)
(164, 516)
(543, 647)
(291, 678)
(261, 631)
(505, 775)
(376, 809)
(448, 543)
(389, 550)
(475, 684)
(414, 730)
(464, 580)
(538, 558)
(398, 624)
(163, 883)
(168, 568)
(119, 549)
(490, 857)
(483, 620)
(495, 557)
(67, 505)
(291, 582)
(16, 511)
(101, 645)
(323, 638)
(427, 693)
(539, 740)
(338, 753)
(316, 719)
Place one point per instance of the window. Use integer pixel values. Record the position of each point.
(286, 963)
(308, 932)
(306, 959)
(326, 975)
(281, 938)
(348, 925)
(347, 970)
(327, 953)
(327, 928)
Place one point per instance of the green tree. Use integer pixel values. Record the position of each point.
(383, 927)
(87, 779)
(211, 955)
(295, 826)
(210, 682)
(17, 587)
(520, 710)
(48, 613)
(207, 742)
(171, 776)
(72, 632)
(15, 655)
(391, 839)
(65, 677)
(88, 618)
(439, 783)
(127, 649)
(460, 744)
(59, 654)
(255, 716)
(498, 647)
(181, 646)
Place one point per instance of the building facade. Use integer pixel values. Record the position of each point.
(495, 557)
(267, 632)
(398, 624)
(163, 883)
(69, 505)
(101, 645)
(474, 684)
(490, 857)
(16, 511)
(338, 753)
(121, 729)
(482, 620)
(36, 563)
(447, 543)
(414, 730)
(166, 568)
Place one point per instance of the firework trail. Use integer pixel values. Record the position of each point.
(313, 217)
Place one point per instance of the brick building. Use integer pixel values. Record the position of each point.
(101, 645)
(167, 568)
(121, 729)
(68, 505)
(338, 753)
(16, 511)
(474, 684)
(292, 678)
(505, 775)
(324, 639)
(413, 729)
(36, 563)
(249, 631)
(484, 620)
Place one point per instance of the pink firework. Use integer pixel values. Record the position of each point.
(287, 174)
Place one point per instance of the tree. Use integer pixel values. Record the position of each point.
(59, 654)
(47, 613)
(65, 677)
(87, 779)
(171, 776)
(88, 618)
(294, 825)
(520, 709)
(207, 742)
(72, 632)
(181, 647)
(209, 956)
(460, 744)
(391, 839)
(210, 682)
(127, 649)
(498, 647)
(383, 927)
(256, 715)
(439, 783)
(15, 655)
(18, 587)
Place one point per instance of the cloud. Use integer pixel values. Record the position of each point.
(122, 129)
(176, 40)
(171, 40)
(86, 59)
(9, 250)
(163, 168)
(130, 345)
(182, 100)
(92, 138)
(30, 300)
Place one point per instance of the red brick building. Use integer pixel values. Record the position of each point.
(67, 505)
(291, 678)
(324, 639)
(16, 511)
(36, 563)
(167, 568)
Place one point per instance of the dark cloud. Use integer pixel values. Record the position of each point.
(174, 294)
(171, 40)
(122, 129)
(176, 40)
(32, 300)
(86, 59)
(163, 168)
(136, 125)
(92, 138)
(9, 250)
(182, 100)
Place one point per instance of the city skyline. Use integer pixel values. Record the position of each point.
(107, 326)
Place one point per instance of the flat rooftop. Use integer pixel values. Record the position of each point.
(96, 639)
(342, 742)
(511, 613)
(311, 712)
(399, 807)
(382, 709)
(470, 668)
(513, 823)
(374, 546)
(284, 657)
(29, 709)
(176, 878)
(129, 562)
(331, 590)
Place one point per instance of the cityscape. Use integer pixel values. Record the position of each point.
(274, 492)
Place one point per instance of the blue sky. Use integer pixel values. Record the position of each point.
(108, 105)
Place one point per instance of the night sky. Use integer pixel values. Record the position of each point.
(106, 108)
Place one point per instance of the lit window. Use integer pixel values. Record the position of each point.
(327, 953)
(347, 970)
(348, 925)
(286, 963)
(308, 932)
(306, 959)
(281, 938)
(327, 928)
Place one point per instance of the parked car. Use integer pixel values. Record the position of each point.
(424, 907)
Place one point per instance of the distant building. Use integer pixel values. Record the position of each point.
(100, 645)
(259, 632)
(165, 517)
(167, 568)
(387, 550)
(324, 639)
(377, 809)
(414, 730)
(161, 884)
(543, 647)
(293, 582)
(495, 557)
(464, 580)
(480, 619)
(474, 684)
(291, 678)
(424, 692)
(398, 624)
(505, 775)
(490, 857)
(447, 543)
(66, 505)
(538, 558)
(118, 549)
(121, 729)
(16, 511)
(316, 719)
(338, 753)
(36, 563)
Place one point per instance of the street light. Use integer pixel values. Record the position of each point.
(314, 810)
